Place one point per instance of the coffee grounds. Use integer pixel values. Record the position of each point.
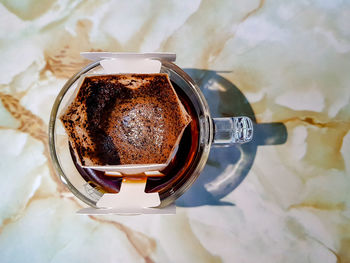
(125, 119)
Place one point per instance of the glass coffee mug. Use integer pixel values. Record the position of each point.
(202, 133)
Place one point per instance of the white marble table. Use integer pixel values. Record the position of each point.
(290, 59)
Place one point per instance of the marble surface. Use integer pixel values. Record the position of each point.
(290, 59)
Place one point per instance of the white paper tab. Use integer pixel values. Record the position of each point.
(95, 56)
(168, 210)
(131, 195)
(122, 65)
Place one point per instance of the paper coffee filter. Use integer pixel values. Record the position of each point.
(115, 66)
(69, 98)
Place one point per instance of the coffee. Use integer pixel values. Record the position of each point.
(180, 167)
(125, 119)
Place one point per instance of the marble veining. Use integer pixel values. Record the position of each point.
(289, 60)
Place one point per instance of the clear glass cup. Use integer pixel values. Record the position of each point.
(212, 132)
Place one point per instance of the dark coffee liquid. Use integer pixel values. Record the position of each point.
(178, 169)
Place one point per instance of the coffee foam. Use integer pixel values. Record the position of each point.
(125, 119)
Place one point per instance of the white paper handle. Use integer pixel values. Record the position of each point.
(131, 195)
(95, 56)
(123, 65)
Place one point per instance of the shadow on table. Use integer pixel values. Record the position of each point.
(227, 167)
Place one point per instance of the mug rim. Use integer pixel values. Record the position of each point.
(205, 122)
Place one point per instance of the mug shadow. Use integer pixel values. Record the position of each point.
(227, 167)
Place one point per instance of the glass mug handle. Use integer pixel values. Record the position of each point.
(233, 130)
